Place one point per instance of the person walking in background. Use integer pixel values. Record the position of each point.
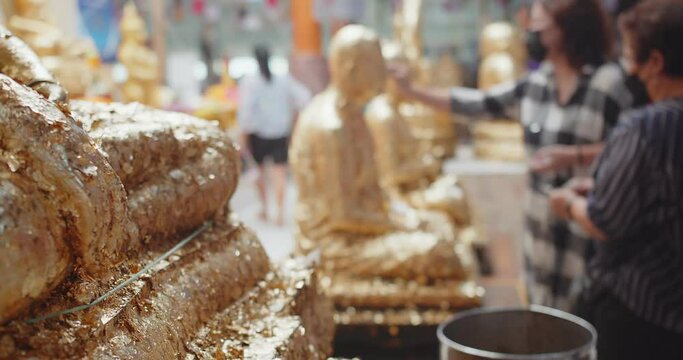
(634, 209)
(269, 104)
(570, 104)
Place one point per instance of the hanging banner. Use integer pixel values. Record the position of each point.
(101, 22)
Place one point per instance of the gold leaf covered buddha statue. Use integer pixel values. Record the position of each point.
(405, 174)
(503, 60)
(94, 197)
(503, 37)
(141, 63)
(343, 211)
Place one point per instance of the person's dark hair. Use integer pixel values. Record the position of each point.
(262, 55)
(625, 5)
(585, 26)
(657, 25)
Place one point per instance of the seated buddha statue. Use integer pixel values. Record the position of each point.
(503, 60)
(342, 209)
(405, 174)
(446, 72)
(503, 37)
(140, 62)
(129, 203)
(434, 130)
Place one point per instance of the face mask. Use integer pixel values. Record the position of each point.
(638, 90)
(537, 51)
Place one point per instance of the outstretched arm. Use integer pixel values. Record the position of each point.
(497, 102)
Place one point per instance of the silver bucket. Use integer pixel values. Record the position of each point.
(536, 333)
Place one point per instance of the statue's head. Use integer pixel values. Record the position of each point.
(500, 37)
(132, 25)
(357, 68)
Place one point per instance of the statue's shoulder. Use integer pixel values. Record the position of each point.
(320, 115)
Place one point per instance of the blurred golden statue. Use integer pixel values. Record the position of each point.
(434, 130)
(71, 61)
(503, 37)
(446, 72)
(31, 22)
(503, 60)
(20, 63)
(342, 210)
(405, 174)
(141, 63)
(219, 101)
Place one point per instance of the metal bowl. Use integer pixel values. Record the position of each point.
(534, 333)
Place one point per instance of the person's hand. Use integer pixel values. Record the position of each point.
(560, 202)
(400, 75)
(553, 158)
(580, 185)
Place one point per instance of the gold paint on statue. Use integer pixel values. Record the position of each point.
(140, 62)
(405, 174)
(341, 209)
(434, 130)
(503, 61)
(20, 63)
(100, 195)
(447, 72)
(503, 37)
(69, 60)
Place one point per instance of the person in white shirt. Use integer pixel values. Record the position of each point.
(269, 104)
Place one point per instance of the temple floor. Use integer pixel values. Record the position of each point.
(277, 240)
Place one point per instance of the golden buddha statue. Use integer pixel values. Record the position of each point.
(503, 60)
(503, 37)
(220, 101)
(68, 59)
(434, 130)
(342, 210)
(140, 62)
(130, 203)
(446, 72)
(405, 174)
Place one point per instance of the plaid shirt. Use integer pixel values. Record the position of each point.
(555, 251)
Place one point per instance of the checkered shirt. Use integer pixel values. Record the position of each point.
(555, 251)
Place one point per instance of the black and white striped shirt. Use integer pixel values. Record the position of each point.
(638, 204)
